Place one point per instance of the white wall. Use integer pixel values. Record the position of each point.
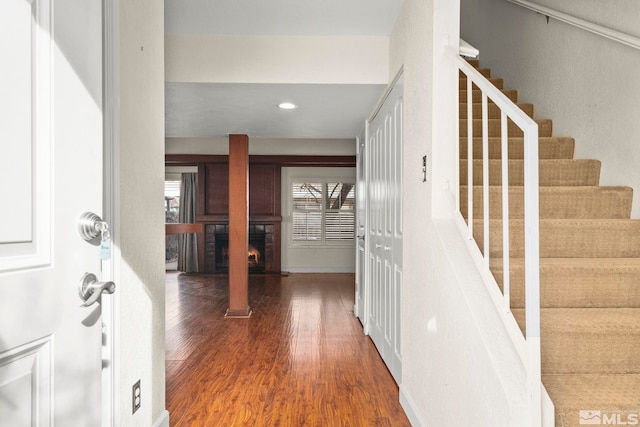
(586, 84)
(335, 258)
(140, 233)
(623, 17)
(276, 59)
(458, 366)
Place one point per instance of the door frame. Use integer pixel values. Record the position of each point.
(362, 267)
(111, 268)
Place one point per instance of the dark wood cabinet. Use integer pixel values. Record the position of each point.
(213, 183)
(264, 190)
(213, 186)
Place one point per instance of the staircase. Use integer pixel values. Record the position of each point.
(590, 266)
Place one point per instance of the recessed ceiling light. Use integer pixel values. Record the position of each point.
(287, 105)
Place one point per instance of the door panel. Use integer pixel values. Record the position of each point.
(24, 237)
(385, 229)
(15, 85)
(50, 346)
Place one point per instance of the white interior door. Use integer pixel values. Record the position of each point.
(50, 173)
(361, 231)
(384, 230)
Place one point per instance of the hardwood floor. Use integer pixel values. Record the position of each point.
(300, 360)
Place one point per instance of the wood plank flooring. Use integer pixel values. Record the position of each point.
(300, 360)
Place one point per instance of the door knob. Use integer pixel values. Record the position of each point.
(90, 290)
(91, 226)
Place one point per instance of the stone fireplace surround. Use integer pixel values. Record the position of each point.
(261, 238)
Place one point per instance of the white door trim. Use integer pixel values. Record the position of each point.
(362, 265)
(110, 303)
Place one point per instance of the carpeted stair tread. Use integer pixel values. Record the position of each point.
(497, 82)
(568, 238)
(486, 72)
(494, 111)
(588, 340)
(572, 393)
(554, 147)
(473, 62)
(476, 95)
(580, 202)
(494, 128)
(577, 282)
(562, 172)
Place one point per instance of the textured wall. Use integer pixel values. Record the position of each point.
(458, 366)
(587, 84)
(141, 222)
(276, 59)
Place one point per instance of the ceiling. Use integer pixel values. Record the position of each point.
(325, 110)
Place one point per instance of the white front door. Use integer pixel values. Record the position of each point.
(51, 129)
(385, 230)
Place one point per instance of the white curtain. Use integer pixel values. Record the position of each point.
(188, 246)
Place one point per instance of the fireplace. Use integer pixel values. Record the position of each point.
(255, 254)
(260, 254)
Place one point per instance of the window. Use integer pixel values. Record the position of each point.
(171, 200)
(323, 211)
(171, 209)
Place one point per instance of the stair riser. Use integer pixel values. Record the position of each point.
(499, 83)
(574, 348)
(568, 202)
(574, 393)
(548, 148)
(608, 353)
(551, 172)
(494, 111)
(494, 128)
(484, 71)
(578, 289)
(477, 95)
(568, 238)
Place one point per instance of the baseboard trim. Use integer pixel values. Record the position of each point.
(410, 409)
(163, 419)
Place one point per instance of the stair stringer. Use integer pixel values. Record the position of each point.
(510, 324)
(548, 409)
(502, 341)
